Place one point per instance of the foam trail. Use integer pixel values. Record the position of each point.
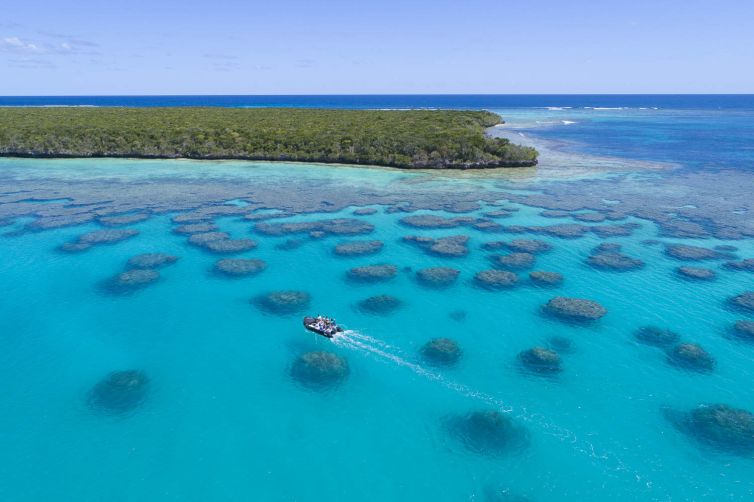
(357, 341)
(350, 334)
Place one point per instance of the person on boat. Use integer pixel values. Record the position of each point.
(324, 324)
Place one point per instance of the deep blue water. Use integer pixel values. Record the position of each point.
(226, 416)
(681, 101)
(705, 137)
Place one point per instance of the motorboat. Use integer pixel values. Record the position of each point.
(322, 325)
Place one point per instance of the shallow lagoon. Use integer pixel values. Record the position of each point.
(224, 419)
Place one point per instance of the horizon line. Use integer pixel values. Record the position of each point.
(371, 94)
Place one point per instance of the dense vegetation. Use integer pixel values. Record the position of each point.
(409, 139)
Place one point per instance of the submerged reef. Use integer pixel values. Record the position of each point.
(364, 211)
(607, 247)
(691, 356)
(221, 243)
(531, 246)
(743, 302)
(746, 265)
(239, 267)
(427, 221)
(141, 271)
(454, 246)
(544, 278)
(437, 277)
(207, 213)
(501, 213)
(319, 370)
(195, 228)
(711, 203)
(266, 215)
(591, 217)
(496, 279)
(696, 273)
(107, 236)
(563, 231)
(708, 205)
(123, 219)
(441, 352)
(540, 360)
(614, 261)
(132, 280)
(229, 246)
(380, 304)
(555, 213)
(99, 237)
(487, 432)
(607, 231)
(577, 310)
(651, 242)
(372, 273)
(655, 336)
(202, 238)
(338, 226)
(744, 330)
(283, 302)
(119, 392)
(358, 248)
(494, 245)
(686, 252)
(514, 261)
(719, 426)
(488, 226)
(151, 260)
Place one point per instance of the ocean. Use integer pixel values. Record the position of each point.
(173, 377)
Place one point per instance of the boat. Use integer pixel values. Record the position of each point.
(322, 326)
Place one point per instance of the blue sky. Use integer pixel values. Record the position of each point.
(349, 47)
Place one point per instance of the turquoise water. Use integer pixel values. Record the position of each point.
(224, 419)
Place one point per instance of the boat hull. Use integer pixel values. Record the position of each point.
(309, 323)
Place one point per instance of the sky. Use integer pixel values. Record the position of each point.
(117, 47)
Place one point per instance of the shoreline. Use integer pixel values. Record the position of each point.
(362, 171)
(486, 167)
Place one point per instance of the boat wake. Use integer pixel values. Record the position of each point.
(613, 465)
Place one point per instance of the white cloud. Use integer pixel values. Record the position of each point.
(16, 45)
(19, 46)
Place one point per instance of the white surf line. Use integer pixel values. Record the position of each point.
(356, 341)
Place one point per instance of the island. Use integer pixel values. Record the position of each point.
(416, 139)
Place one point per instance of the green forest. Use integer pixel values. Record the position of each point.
(437, 139)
